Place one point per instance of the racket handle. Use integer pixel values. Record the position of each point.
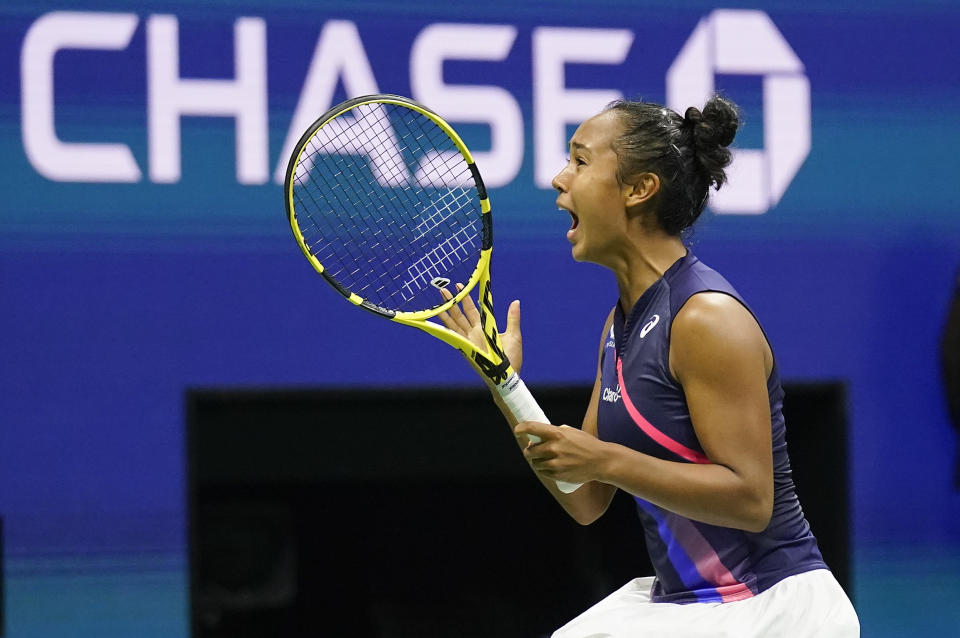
(524, 407)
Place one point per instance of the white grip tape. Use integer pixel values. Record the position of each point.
(525, 408)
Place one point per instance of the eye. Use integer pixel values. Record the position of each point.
(580, 161)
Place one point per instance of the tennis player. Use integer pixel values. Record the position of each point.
(685, 414)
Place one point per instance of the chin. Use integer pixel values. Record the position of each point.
(579, 254)
(575, 252)
(583, 256)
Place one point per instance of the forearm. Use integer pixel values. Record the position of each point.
(584, 505)
(708, 492)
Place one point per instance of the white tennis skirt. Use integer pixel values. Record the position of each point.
(811, 604)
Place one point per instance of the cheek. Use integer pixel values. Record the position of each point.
(608, 193)
(601, 188)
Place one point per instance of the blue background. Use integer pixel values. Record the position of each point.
(116, 298)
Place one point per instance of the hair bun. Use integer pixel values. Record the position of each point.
(720, 121)
(692, 117)
(713, 130)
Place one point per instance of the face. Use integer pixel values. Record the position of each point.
(588, 189)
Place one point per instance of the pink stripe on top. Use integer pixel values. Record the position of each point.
(674, 446)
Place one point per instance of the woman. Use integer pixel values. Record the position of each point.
(686, 409)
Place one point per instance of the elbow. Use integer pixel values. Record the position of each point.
(588, 510)
(756, 524)
(586, 518)
(757, 516)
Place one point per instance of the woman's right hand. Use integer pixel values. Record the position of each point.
(464, 319)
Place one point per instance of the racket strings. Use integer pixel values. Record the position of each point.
(388, 205)
(356, 219)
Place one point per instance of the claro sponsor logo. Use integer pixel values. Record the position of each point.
(725, 41)
(611, 396)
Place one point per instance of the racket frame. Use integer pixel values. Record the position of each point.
(492, 362)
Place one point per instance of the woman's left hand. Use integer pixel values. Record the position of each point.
(563, 453)
(465, 320)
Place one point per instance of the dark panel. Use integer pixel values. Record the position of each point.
(398, 513)
(412, 513)
(816, 417)
(950, 369)
(3, 599)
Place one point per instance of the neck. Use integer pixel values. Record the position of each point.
(652, 256)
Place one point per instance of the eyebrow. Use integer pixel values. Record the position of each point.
(578, 146)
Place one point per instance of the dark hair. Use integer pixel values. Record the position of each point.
(688, 153)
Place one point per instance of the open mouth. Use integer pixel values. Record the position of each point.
(574, 220)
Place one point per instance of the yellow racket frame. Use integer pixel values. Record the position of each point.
(496, 367)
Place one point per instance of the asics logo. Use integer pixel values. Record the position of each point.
(649, 325)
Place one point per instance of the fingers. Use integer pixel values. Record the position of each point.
(513, 319)
(547, 458)
(543, 430)
(561, 454)
(542, 456)
(537, 433)
(469, 308)
(454, 318)
(465, 316)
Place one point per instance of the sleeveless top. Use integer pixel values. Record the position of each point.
(643, 407)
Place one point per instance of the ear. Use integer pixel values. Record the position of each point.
(644, 187)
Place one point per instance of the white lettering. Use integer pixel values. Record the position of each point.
(724, 42)
(51, 157)
(339, 54)
(170, 97)
(554, 105)
(354, 135)
(611, 396)
(490, 105)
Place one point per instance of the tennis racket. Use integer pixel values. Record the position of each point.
(386, 202)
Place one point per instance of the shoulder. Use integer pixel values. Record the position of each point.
(711, 331)
(609, 321)
(710, 309)
(607, 326)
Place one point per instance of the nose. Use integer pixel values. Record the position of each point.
(559, 180)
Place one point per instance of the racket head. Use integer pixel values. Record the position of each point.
(386, 202)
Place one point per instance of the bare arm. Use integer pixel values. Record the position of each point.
(719, 355)
(588, 503)
(591, 500)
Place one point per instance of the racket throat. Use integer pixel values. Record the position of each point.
(496, 372)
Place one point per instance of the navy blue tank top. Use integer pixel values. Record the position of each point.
(643, 407)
